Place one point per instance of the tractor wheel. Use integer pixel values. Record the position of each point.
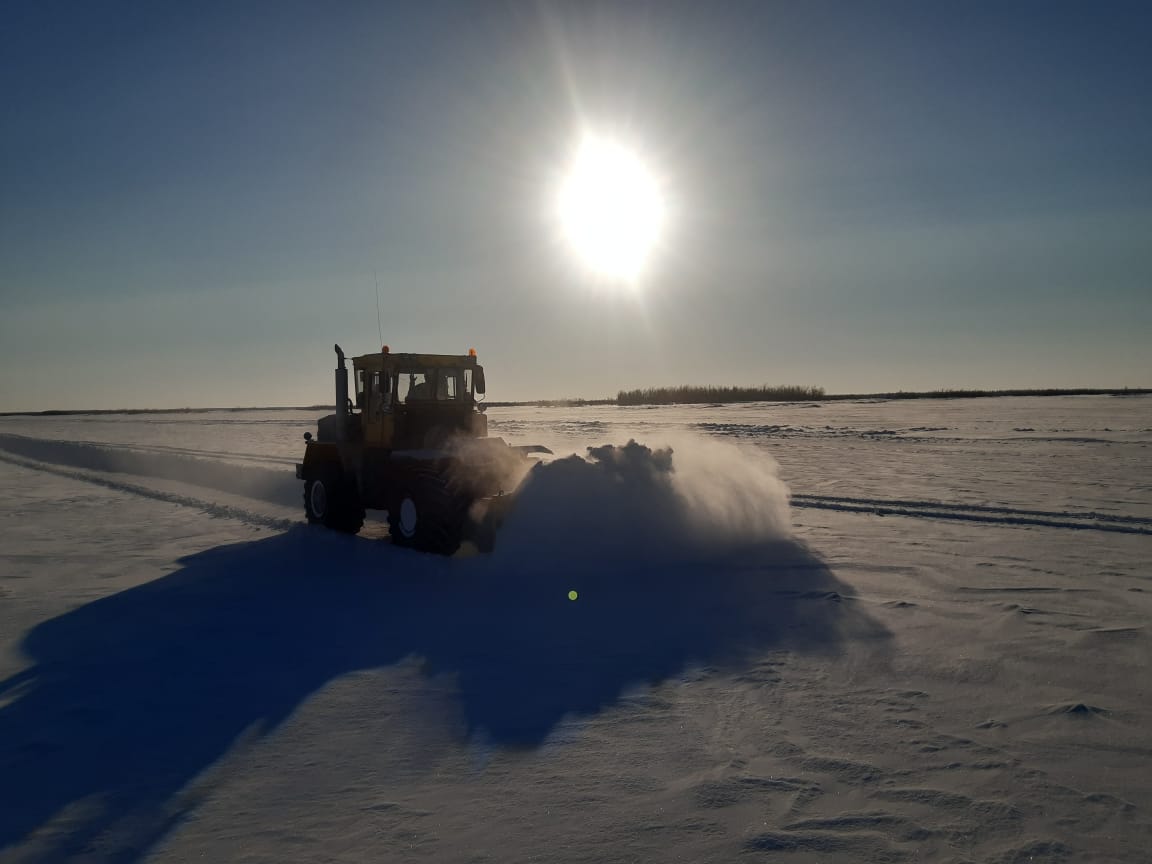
(427, 515)
(333, 503)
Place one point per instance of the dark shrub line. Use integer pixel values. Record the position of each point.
(981, 394)
(695, 395)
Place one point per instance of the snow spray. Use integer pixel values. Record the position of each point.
(686, 498)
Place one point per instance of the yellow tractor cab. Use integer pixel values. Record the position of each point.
(410, 401)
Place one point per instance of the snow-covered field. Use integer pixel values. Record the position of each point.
(937, 650)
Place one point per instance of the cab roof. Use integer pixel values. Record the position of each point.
(377, 362)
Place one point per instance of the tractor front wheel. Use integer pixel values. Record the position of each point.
(427, 515)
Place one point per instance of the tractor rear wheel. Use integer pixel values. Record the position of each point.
(333, 502)
(427, 514)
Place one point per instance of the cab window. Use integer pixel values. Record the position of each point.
(412, 387)
(448, 384)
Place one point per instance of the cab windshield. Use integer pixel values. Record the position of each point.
(434, 385)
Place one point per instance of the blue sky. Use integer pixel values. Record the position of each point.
(864, 196)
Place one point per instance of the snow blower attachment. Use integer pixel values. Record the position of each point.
(414, 442)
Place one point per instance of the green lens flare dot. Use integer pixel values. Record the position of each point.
(572, 595)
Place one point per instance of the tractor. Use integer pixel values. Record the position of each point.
(412, 440)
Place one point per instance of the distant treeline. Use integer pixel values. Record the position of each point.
(979, 394)
(694, 395)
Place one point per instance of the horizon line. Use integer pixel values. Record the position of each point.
(946, 393)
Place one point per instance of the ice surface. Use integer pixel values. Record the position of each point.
(939, 652)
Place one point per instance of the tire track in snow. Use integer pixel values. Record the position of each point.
(1007, 516)
(278, 487)
(188, 451)
(210, 507)
(163, 449)
(980, 508)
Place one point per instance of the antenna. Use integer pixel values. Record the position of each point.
(379, 326)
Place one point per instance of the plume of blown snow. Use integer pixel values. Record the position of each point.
(687, 497)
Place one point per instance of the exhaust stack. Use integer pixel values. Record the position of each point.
(341, 397)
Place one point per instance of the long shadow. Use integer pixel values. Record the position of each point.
(131, 697)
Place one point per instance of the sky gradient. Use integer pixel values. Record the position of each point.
(864, 196)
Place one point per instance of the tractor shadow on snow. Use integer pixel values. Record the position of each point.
(131, 697)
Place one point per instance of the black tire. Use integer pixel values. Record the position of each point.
(334, 503)
(427, 514)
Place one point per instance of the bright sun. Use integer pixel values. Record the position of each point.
(611, 209)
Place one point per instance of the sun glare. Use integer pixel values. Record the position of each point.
(611, 209)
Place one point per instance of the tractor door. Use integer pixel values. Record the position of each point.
(378, 415)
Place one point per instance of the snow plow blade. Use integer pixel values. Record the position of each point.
(484, 520)
(531, 449)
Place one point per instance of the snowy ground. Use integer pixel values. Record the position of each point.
(940, 652)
